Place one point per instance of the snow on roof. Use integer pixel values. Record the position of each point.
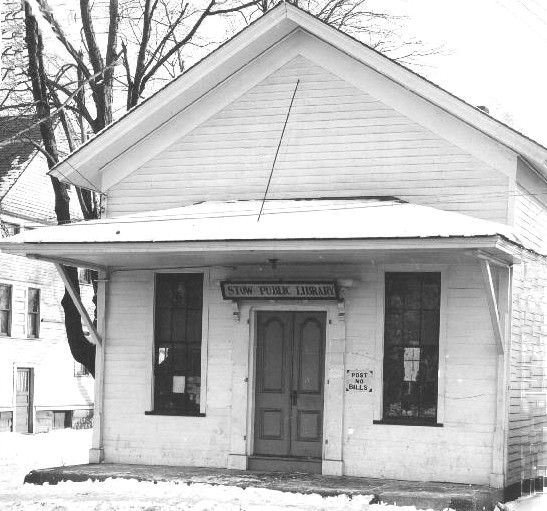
(280, 220)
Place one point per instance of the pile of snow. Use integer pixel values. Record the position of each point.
(19, 453)
(129, 494)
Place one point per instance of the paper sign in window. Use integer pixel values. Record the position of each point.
(411, 363)
(179, 384)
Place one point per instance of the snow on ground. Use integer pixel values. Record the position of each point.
(21, 453)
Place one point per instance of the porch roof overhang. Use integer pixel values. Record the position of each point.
(292, 231)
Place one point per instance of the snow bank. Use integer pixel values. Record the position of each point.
(19, 453)
(124, 494)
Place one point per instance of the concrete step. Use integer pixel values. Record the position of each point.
(424, 495)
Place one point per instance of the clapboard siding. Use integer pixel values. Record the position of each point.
(54, 382)
(162, 440)
(339, 141)
(462, 449)
(531, 220)
(527, 440)
(459, 451)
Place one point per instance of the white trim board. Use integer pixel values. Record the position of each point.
(241, 49)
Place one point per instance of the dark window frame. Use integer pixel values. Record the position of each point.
(35, 314)
(426, 374)
(9, 229)
(80, 370)
(85, 276)
(9, 310)
(185, 344)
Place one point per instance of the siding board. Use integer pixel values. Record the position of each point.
(339, 141)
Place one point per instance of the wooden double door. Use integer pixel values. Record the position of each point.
(289, 384)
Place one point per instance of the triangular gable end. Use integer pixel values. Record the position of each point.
(276, 39)
(339, 141)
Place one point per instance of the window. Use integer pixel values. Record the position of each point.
(33, 312)
(411, 347)
(5, 309)
(9, 229)
(85, 276)
(178, 321)
(80, 369)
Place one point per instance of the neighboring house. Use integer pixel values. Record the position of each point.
(385, 316)
(41, 387)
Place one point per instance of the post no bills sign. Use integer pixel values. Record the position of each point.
(359, 380)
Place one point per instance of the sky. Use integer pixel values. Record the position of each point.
(495, 54)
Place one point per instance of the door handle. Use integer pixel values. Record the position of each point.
(294, 397)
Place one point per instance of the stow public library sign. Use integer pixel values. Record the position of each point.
(268, 290)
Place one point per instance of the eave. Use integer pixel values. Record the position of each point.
(158, 255)
(87, 166)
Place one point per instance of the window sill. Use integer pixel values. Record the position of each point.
(408, 423)
(176, 413)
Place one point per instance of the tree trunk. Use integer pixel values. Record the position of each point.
(82, 350)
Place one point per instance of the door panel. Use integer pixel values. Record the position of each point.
(273, 348)
(307, 415)
(23, 400)
(272, 384)
(289, 389)
(308, 352)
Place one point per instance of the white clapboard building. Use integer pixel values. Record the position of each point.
(41, 387)
(381, 314)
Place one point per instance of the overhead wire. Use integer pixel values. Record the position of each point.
(515, 14)
(278, 147)
(533, 13)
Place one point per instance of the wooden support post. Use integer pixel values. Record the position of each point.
(95, 337)
(492, 305)
(502, 306)
(96, 453)
(242, 353)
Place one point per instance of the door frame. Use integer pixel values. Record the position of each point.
(331, 310)
(32, 407)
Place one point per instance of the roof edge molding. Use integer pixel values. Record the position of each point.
(139, 126)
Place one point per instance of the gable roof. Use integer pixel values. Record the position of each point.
(17, 154)
(106, 150)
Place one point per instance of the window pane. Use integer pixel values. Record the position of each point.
(428, 406)
(33, 300)
(178, 316)
(430, 327)
(429, 364)
(179, 325)
(163, 325)
(5, 297)
(410, 399)
(393, 375)
(33, 325)
(412, 293)
(193, 333)
(4, 322)
(23, 380)
(431, 291)
(411, 328)
(411, 363)
(394, 294)
(394, 328)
